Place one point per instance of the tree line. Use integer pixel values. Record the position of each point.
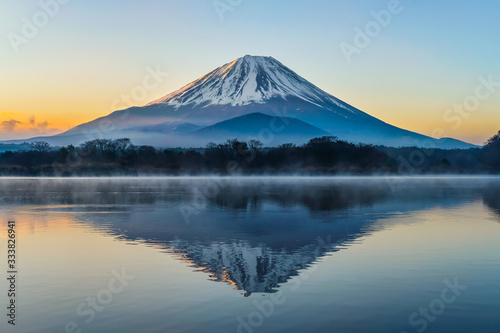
(324, 155)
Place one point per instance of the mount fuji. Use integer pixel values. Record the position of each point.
(252, 97)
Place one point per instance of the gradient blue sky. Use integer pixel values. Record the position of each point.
(426, 60)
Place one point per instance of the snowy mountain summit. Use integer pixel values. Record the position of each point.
(246, 80)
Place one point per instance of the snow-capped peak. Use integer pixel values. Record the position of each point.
(249, 79)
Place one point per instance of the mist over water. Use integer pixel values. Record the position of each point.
(345, 254)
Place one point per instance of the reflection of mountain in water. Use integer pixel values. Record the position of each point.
(254, 234)
(316, 197)
(256, 237)
(248, 268)
(491, 197)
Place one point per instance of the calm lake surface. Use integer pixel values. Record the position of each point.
(253, 255)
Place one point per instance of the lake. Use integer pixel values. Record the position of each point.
(280, 254)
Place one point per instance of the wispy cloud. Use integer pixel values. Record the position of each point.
(17, 129)
(9, 125)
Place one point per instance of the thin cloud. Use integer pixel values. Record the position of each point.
(14, 129)
(41, 127)
(9, 125)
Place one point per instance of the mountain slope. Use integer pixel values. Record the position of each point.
(275, 130)
(248, 85)
(249, 80)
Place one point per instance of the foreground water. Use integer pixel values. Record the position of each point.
(253, 255)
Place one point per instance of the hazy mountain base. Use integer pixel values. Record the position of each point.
(325, 155)
(273, 129)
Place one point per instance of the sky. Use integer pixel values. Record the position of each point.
(427, 66)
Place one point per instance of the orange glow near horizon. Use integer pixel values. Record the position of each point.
(60, 104)
(75, 69)
(27, 118)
